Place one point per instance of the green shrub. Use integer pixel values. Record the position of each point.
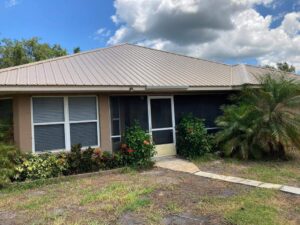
(110, 161)
(81, 161)
(32, 166)
(90, 160)
(192, 138)
(137, 149)
(8, 155)
(6, 131)
(262, 122)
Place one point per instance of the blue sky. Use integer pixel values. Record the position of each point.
(252, 31)
(70, 23)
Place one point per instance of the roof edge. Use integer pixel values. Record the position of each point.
(58, 58)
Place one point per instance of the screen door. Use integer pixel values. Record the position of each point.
(162, 125)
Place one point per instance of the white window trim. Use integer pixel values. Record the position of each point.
(114, 119)
(66, 123)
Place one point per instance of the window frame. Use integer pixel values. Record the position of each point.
(114, 119)
(66, 123)
(173, 127)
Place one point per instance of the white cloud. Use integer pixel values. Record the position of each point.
(101, 34)
(215, 29)
(11, 3)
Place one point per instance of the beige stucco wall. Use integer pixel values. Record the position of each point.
(22, 122)
(104, 121)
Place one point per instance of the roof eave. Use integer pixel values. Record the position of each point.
(51, 89)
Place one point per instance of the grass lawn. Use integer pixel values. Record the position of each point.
(281, 172)
(152, 197)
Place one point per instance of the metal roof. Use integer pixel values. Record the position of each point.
(126, 65)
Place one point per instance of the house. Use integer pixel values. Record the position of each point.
(91, 97)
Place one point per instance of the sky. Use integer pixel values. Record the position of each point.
(257, 32)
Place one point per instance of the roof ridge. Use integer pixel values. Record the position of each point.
(58, 58)
(272, 69)
(245, 78)
(177, 54)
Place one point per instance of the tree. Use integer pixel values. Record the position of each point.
(15, 52)
(262, 122)
(76, 50)
(285, 67)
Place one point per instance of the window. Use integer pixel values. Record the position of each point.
(60, 122)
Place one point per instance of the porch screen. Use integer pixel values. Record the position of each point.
(6, 119)
(205, 106)
(60, 122)
(125, 111)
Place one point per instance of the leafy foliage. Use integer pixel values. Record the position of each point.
(6, 131)
(137, 149)
(8, 155)
(192, 138)
(284, 67)
(89, 160)
(263, 121)
(137, 152)
(80, 161)
(41, 166)
(14, 52)
(76, 50)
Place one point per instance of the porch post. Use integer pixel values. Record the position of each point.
(22, 122)
(104, 119)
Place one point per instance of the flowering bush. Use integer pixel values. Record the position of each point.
(192, 138)
(137, 149)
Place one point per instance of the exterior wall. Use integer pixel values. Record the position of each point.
(22, 122)
(184, 103)
(104, 121)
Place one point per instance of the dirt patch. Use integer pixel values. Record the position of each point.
(130, 219)
(183, 219)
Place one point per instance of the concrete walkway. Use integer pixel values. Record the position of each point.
(181, 165)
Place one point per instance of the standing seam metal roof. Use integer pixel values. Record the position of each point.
(129, 65)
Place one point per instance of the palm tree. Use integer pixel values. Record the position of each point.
(263, 121)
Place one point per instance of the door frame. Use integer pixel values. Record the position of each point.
(171, 97)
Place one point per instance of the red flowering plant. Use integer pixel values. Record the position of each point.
(137, 149)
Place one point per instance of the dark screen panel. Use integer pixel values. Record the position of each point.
(6, 110)
(134, 108)
(205, 106)
(161, 114)
(162, 137)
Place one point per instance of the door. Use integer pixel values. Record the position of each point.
(162, 124)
